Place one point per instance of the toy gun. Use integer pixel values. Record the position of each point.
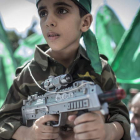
(63, 96)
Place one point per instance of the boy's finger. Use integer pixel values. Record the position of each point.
(100, 114)
(87, 117)
(97, 112)
(47, 118)
(88, 126)
(49, 136)
(72, 117)
(48, 129)
(87, 136)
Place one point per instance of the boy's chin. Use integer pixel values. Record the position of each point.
(56, 48)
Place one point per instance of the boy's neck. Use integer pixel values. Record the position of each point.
(63, 57)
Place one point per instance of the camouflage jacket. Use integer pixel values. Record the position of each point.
(41, 67)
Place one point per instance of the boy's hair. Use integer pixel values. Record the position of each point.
(82, 12)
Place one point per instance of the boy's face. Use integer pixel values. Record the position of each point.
(60, 23)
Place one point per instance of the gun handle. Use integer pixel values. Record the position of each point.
(62, 119)
(80, 112)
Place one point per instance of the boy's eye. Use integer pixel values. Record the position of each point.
(42, 14)
(62, 11)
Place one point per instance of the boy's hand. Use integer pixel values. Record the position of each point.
(40, 131)
(89, 126)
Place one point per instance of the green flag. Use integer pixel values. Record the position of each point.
(7, 64)
(4, 38)
(26, 49)
(108, 30)
(3, 85)
(7, 71)
(126, 64)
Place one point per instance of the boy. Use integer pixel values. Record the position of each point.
(62, 27)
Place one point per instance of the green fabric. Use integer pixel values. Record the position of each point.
(7, 71)
(3, 85)
(108, 30)
(126, 64)
(26, 49)
(89, 38)
(84, 4)
(7, 64)
(4, 38)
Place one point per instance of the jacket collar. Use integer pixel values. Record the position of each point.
(41, 57)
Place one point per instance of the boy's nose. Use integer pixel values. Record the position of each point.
(50, 22)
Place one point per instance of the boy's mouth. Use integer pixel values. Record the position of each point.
(52, 35)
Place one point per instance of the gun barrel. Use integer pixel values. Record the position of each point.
(110, 96)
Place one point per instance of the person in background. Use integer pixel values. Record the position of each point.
(135, 117)
(133, 91)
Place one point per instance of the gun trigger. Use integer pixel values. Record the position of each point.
(62, 119)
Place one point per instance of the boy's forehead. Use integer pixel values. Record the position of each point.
(54, 2)
(84, 4)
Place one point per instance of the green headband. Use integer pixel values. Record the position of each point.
(89, 38)
(84, 4)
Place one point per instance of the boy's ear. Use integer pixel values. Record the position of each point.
(86, 22)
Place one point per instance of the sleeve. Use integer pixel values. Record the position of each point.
(10, 112)
(118, 112)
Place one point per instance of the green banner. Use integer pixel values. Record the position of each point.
(4, 38)
(7, 71)
(126, 64)
(108, 30)
(7, 64)
(26, 49)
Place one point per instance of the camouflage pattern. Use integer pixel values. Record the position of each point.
(41, 67)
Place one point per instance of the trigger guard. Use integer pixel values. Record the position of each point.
(62, 120)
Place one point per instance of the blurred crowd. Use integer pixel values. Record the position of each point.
(134, 111)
